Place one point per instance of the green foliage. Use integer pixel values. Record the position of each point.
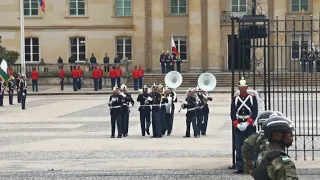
(10, 56)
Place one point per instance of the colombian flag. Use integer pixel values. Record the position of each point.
(43, 5)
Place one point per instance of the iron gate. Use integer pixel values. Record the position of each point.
(281, 60)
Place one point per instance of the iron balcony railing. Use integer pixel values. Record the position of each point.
(227, 15)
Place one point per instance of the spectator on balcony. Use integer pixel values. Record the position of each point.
(80, 71)
(34, 77)
(95, 77)
(75, 78)
(71, 61)
(61, 77)
(119, 75)
(93, 60)
(60, 60)
(113, 76)
(141, 75)
(117, 59)
(135, 77)
(106, 61)
(100, 77)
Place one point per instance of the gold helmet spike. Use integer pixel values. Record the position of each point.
(243, 82)
(168, 51)
(162, 51)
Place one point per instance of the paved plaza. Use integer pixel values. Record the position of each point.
(67, 137)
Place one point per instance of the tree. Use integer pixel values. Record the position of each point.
(10, 56)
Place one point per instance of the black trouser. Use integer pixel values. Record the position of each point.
(19, 95)
(145, 117)
(172, 67)
(62, 83)
(178, 67)
(125, 121)
(169, 122)
(156, 124)
(163, 68)
(189, 120)
(79, 83)
(1, 98)
(23, 100)
(100, 83)
(115, 118)
(35, 85)
(199, 119)
(10, 97)
(168, 67)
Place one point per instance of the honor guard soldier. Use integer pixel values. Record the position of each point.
(23, 90)
(178, 62)
(244, 111)
(163, 109)
(80, 78)
(276, 164)
(100, 76)
(205, 111)
(1, 91)
(18, 83)
(190, 104)
(168, 60)
(125, 109)
(115, 103)
(10, 91)
(75, 78)
(162, 62)
(200, 103)
(62, 76)
(255, 143)
(145, 110)
(156, 110)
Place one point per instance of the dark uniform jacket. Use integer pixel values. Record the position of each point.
(156, 99)
(125, 103)
(190, 106)
(168, 59)
(142, 99)
(162, 58)
(115, 105)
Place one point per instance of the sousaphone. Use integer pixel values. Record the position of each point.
(173, 79)
(207, 82)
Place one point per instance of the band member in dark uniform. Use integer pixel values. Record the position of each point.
(174, 100)
(168, 107)
(244, 111)
(168, 60)
(23, 90)
(10, 91)
(115, 103)
(199, 98)
(156, 110)
(163, 109)
(205, 111)
(145, 110)
(190, 104)
(125, 109)
(178, 62)
(162, 62)
(18, 80)
(1, 91)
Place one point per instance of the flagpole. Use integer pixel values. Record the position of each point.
(22, 39)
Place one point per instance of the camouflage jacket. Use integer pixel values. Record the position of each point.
(253, 145)
(280, 168)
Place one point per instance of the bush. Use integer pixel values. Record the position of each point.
(10, 56)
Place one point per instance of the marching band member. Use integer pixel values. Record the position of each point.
(205, 111)
(145, 110)
(23, 91)
(10, 91)
(244, 111)
(190, 104)
(1, 92)
(168, 118)
(115, 103)
(125, 111)
(199, 99)
(174, 100)
(163, 109)
(156, 111)
(18, 83)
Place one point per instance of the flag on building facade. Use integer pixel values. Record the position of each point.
(42, 5)
(173, 47)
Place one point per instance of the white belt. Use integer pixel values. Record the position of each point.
(156, 105)
(125, 104)
(191, 109)
(114, 107)
(244, 117)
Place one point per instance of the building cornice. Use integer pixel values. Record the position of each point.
(130, 27)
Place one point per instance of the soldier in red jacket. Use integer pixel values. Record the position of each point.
(119, 75)
(141, 75)
(80, 71)
(75, 78)
(34, 77)
(61, 77)
(113, 76)
(100, 77)
(135, 77)
(95, 77)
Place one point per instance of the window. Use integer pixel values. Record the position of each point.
(239, 5)
(124, 47)
(78, 48)
(299, 48)
(123, 8)
(299, 5)
(31, 47)
(178, 6)
(31, 7)
(77, 8)
(181, 45)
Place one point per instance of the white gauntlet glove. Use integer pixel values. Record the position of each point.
(240, 127)
(113, 99)
(244, 125)
(149, 99)
(122, 94)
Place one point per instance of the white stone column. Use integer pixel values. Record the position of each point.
(157, 14)
(195, 35)
(214, 36)
(139, 14)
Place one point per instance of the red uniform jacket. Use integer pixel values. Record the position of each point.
(135, 74)
(80, 71)
(101, 73)
(34, 75)
(11, 72)
(141, 72)
(75, 73)
(113, 73)
(61, 73)
(95, 73)
(119, 72)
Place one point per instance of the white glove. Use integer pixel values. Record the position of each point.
(185, 102)
(244, 125)
(149, 99)
(113, 99)
(240, 127)
(122, 94)
(23, 94)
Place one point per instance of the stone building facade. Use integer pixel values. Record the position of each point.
(137, 29)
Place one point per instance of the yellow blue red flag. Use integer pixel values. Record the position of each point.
(42, 5)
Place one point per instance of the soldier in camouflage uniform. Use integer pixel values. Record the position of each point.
(274, 163)
(255, 143)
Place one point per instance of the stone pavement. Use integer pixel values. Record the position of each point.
(67, 137)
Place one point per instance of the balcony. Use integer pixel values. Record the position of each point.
(227, 15)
